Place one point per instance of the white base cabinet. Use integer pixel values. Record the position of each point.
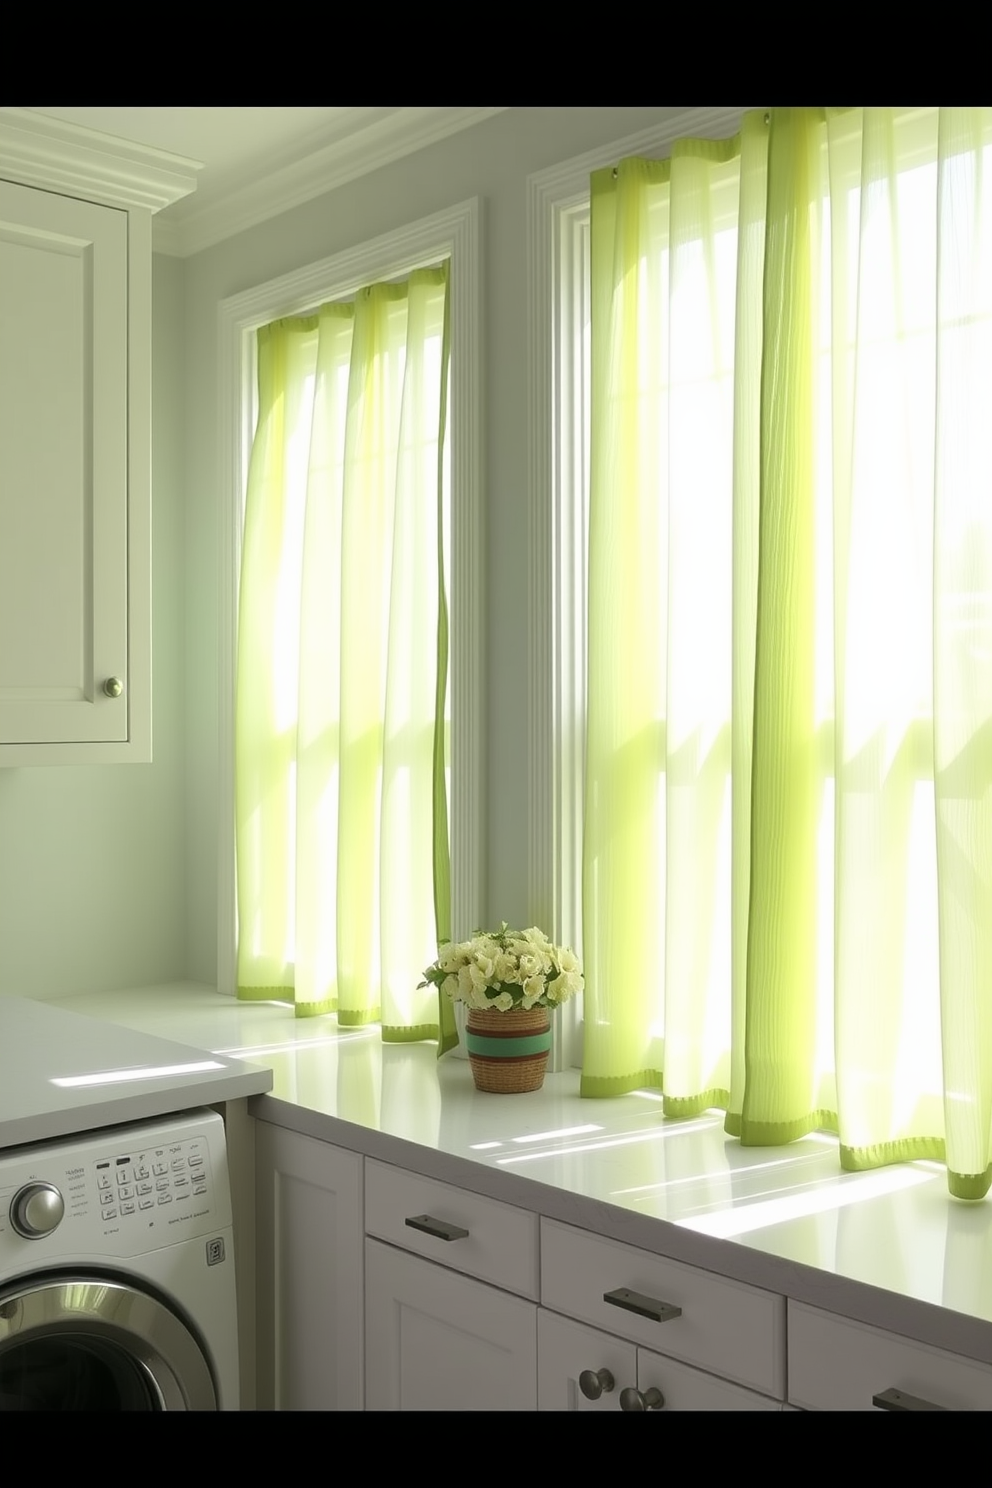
(380, 1289)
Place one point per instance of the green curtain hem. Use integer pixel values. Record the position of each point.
(917, 1149)
(969, 1185)
(266, 994)
(417, 1033)
(603, 1087)
(779, 1133)
(695, 1105)
(349, 1019)
(316, 1009)
(881, 1154)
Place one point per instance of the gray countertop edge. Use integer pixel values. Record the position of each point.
(921, 1321)
(142, 1103)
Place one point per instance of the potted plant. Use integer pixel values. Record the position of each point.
(509, 980)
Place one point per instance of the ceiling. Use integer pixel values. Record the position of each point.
(257, 162)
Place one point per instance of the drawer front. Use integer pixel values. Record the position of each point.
(725, 1327)
(479, 1236)
(837, 1364)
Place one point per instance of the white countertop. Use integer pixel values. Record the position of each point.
(62, 1072)
(889, 1247)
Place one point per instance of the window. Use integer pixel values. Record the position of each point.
(789, 571)
(558, 225)
(450, 237)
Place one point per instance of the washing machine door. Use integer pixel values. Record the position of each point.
(84, 1342)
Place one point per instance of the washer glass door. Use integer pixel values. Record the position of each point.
(83, 1343)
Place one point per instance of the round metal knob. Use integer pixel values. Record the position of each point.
(113, 687)
(37, 1210)
(596, 1382)
(635, 1400)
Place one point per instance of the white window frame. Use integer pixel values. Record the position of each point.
(454, 234)
(557, 206)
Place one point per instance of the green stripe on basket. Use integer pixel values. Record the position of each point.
(502, 1048)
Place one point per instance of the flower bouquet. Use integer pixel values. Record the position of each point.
(508, 979)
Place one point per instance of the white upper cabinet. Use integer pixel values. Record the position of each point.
(75, 440)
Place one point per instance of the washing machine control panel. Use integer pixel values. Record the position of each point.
(121, 1191)
(141, 1180)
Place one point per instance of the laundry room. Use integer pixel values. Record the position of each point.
(228, 1085)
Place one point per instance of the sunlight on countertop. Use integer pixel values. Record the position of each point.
(894, 1228)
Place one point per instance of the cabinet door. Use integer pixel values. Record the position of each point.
(309, 1265)
(435, 1340)
(74, 481)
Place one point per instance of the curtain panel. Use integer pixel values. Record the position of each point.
(342, 678)
(787, 859)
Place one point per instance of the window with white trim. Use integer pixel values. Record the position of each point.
(452, 237)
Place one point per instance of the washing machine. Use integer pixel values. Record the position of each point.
(117, 1270)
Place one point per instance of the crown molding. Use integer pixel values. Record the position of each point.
(39, 151)
(363, 146)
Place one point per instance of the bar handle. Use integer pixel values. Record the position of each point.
(649, 1307)
(898, 1400)
(439, 1228)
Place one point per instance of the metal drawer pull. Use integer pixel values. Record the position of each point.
(649, 1307)
(635, 1400)
(596, 1382)
(898, 1400)
(439, 1228)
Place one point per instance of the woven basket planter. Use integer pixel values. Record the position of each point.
(508, 1052)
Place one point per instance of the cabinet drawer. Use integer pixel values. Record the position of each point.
(723, 1326)
(479, 1236)
(837, 1364)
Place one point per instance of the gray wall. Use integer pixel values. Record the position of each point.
(108, 875)
(92, 859)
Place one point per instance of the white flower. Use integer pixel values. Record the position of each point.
(533, 987)
(502, 960)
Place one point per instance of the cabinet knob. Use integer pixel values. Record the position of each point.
(113, 687)
(596, 1382)
(637, 1400)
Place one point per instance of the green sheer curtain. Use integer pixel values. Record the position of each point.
(341, 714)
(787, 865)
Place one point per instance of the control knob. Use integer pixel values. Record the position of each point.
(37, 1210)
